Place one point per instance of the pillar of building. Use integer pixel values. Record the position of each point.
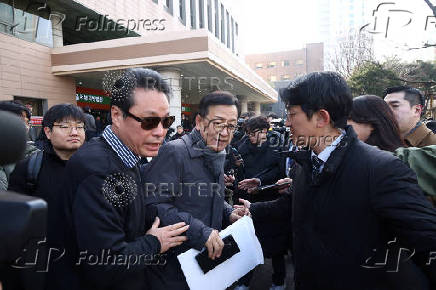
(173, 77)
(56, 20)
(257, 108)
(244, 103)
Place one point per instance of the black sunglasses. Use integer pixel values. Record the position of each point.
(149, 123)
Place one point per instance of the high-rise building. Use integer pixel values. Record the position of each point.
(336, 18)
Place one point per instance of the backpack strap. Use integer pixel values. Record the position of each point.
(33, 168)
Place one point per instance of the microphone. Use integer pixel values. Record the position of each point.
(13, 135)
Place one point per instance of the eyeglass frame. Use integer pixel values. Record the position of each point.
(226, 127)
(69, 127)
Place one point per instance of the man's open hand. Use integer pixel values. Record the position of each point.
(169, 236)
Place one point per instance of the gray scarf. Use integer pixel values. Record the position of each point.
(213, 160)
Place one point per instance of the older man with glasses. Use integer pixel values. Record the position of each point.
(186, 184)
(109, 237)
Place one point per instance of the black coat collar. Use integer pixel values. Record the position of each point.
(303, 157)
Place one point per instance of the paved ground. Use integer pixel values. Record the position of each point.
(262, 276)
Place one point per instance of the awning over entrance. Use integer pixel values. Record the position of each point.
(204, 64)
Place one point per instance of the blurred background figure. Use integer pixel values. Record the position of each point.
(90, 125)
(179, 133)
(186, 123)
(374, 123)
(408, 105)
(21, 111)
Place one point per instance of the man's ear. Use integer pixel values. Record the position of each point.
(116, 115)
(198, 124)
(47, 132)
(418, 110)
(322, 118)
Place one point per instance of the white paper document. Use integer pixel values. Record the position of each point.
(226, 273)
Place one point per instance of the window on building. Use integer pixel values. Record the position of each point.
(223, 28)
(299, 62)
(228, 28)
(286, 63)
(201, 12)
(182, 11)
(6, 18)
(44, 34)
(169, 6)
(25, 25)
(217, 19)
(258, 66)
(156, 1)
(285, 77)
(209, 15)
(233, 35)
(272, 64)
(193, 13)
(236, 28)
(273, 78)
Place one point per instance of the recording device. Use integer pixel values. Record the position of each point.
(24, 218)
(230, 249)
(273, 186)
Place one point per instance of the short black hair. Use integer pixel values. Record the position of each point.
(272, 115)
(248, 114)
(62, 112)
(179, 126)
(15, 107)
(256, 123)
(217, 98)
(320, 90)
(122, 90)
(412, 95)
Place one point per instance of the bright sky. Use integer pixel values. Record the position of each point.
(276, 25)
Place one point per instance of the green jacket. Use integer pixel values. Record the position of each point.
(423, 162)
(6, 170)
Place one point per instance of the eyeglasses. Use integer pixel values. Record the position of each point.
(148, 123)
(219, 126)
(68, 128)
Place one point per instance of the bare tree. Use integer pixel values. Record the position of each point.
(352, 51)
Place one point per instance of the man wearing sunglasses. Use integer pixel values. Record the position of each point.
(186, 184)
(102, 211)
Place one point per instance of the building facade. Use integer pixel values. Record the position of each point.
(287, 65)
(68, 51)
(279, 68)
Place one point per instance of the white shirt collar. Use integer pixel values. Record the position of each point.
(325, 154)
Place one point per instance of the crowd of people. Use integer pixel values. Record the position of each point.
(348, 181)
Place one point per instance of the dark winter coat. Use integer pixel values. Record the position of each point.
(102, 208)
(363, 199)
(191, 194)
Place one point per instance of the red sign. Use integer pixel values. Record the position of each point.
(36, 121)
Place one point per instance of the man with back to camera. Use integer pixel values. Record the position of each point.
(349, 201)
(21, 111)
(102, 209)
(408, 106)
(186, 184)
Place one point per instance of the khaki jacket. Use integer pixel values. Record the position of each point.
(421, 137)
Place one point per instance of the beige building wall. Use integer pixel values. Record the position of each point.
(25, 71)
(139, 9)
(272, 67)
